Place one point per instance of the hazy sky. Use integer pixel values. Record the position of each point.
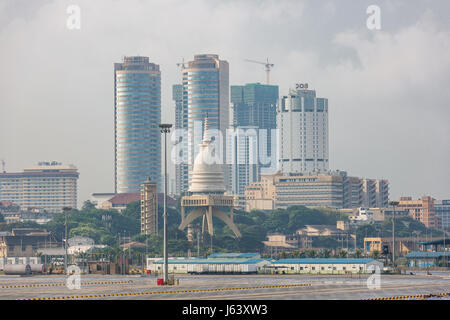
(389, 101)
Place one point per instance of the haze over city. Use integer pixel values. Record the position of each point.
(388, 100)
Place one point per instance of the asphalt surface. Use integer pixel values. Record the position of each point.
(223, 287)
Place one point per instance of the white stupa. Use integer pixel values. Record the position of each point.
(207, 188)
(207, 175)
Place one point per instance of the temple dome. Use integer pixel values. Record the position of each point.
(207, 175)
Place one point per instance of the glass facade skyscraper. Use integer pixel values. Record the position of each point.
(181, 169)
(137, 108)
(254, 107)
(255, 104)
(205, 94)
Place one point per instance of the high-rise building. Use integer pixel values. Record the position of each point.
(303, 124)
(375, 193)
(242, 151)
(137, 109)
(49, 186)
(255, 105)
(149, 208)
(181, 121)
(442, 211)
(206, 95)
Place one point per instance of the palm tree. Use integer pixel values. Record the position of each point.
(325, 253)
(342, 253)
(357, 254)
(375, 254)
(310, 253)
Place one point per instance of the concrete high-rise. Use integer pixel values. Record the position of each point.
(206, 95)
(49, 186)
(149, 208)
(303, 140)
(137, 114)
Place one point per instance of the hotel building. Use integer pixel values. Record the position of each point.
(49, 186)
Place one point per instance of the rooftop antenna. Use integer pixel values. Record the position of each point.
(267, 64)
(3, 166)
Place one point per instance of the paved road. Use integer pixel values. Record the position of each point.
(223, 287)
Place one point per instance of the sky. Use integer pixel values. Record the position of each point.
(389, 102)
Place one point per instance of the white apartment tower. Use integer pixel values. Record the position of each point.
(303, 140)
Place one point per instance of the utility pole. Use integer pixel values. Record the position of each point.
(165, 128)
(65, 209)
(393, 203)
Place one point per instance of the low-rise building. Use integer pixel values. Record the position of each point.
(120, 201)
(280, 242)
(421, 210)
(424, 259)
(325, 266)
(332, 189)
(13, 213)
(25, 242)
(210, 265)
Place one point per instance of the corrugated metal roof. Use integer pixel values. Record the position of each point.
(211, 261)
(425, 254)
(233, 255)
(324, 261)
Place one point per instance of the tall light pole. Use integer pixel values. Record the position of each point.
(65, 209)
(165, 128)
(394, 204)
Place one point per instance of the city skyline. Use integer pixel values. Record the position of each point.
(385, 119)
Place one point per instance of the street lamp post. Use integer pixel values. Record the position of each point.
(165, 128)
(65, 209)
(393, 203)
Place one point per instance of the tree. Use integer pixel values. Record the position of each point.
(357, 254)
(324, 253)
(375, 254)
(88, 205)
(310, 253)
(342, 253)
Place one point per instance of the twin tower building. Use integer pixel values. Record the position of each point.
(268, 133)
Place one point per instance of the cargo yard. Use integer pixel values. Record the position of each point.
(352, 287)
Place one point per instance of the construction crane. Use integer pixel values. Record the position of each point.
(181, 64)
(267, 64)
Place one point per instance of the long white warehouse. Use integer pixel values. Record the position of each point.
(216, 265)
(325, 266)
